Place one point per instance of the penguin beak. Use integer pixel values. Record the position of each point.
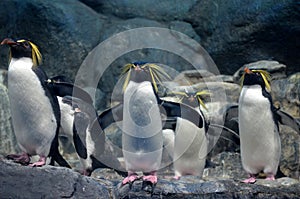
(8, 41)
(247, 70)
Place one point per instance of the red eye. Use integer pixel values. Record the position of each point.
(26, 45)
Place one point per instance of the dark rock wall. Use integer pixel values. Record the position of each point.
(233, 32)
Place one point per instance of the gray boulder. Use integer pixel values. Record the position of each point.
(47, 182)
(286, 94)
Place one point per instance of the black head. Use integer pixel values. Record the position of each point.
(192, 98)
(256, 77)
(23, 48)
(142, 71)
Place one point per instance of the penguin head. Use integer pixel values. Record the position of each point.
(143, 71)
(192, 98)
(23, 48)
(256, 77)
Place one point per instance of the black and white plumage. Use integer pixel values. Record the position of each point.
(34, 107)
(89, 139)
(141, 106)
(79, 121)
(258, 126)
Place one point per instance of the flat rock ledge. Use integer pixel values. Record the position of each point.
(18, 181)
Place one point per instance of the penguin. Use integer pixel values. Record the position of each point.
(258, 126)
(89, 138)
(34, 108)
(142, 139)
(79, 121)
(190, 143)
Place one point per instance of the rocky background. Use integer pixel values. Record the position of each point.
(258, 33)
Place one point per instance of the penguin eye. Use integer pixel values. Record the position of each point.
(26, 44)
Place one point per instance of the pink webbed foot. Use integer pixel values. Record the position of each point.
(251, 179)
(130, 178)
(41, 162)
(150, 178)
(23, 158)
(270, 177)
(176, 177)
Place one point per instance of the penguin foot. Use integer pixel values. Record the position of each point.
(270, 177)
(41, 162)
(130, 178)
(23, 158)
(150, 178)
(250, 180)
(176, 177)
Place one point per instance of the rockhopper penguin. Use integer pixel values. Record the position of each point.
(142, 140)
(34, 108)
(258, 126)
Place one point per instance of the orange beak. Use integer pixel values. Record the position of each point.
(8, 41)
(247, 70)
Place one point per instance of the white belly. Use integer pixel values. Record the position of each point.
(32, 115)
(142, 128)
(260, 141)
(190, 149)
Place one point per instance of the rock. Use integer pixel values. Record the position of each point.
(8, 143)
(239, 32)
(47, 182)
(159, 10)
(65, 31)
(290, 152)
(276, 70)
(286, 94)
(56, 182)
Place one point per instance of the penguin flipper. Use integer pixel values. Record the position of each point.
(111, 115)
(80, 126)
(63, 89)
(288, 120)
(174, 110)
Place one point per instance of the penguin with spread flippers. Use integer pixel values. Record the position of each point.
(258, 126)
(34, 107)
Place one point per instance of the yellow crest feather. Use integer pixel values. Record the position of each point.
(199, 94)
(266, 77)
(264, 74)
(36, 55)
(156, 73)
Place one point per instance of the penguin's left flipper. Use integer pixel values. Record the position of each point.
(63, 89)
(288, 120)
